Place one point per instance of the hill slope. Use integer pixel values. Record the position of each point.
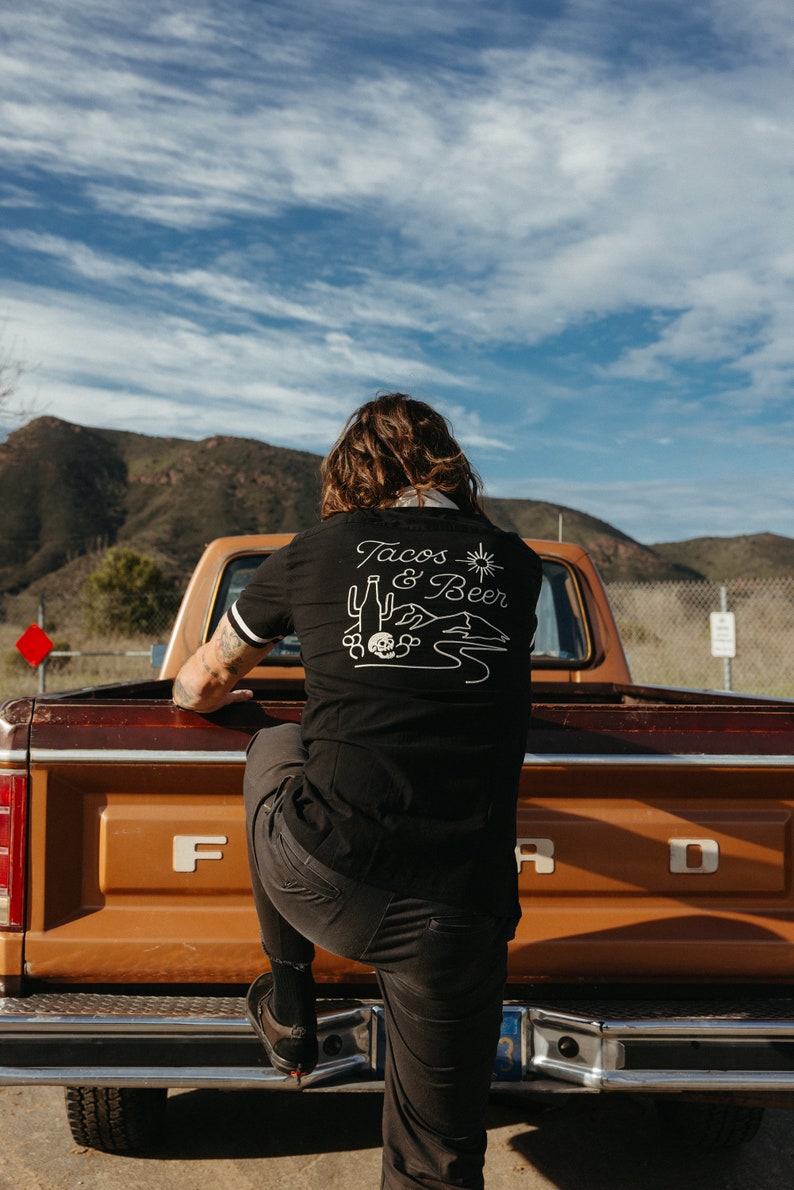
(619, 557)
(67, 490)
(757, 555)
(61, 493)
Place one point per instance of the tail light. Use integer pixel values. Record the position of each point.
(13, 807)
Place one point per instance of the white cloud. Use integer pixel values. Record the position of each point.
(299, 203)
(97, 364)
(765, 27)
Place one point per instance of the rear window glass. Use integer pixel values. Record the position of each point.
(235, 579)
(561, 634)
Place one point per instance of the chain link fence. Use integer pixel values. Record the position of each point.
(665, 628)
(79, 657)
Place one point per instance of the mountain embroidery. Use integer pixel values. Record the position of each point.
(409, 635)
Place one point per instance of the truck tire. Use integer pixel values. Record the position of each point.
(116, 1119)
(708, 1126)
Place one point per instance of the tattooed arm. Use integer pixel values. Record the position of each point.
(205, 681)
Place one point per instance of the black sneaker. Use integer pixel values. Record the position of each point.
(292, 1049)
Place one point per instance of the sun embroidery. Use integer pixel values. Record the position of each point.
(484, 565)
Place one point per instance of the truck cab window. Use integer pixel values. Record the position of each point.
(235, 579)
(560, 636)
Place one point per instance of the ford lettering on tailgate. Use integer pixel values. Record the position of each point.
(614, 846)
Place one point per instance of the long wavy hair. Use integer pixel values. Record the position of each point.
(391, 443)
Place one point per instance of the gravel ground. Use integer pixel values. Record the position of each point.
(247, 1140)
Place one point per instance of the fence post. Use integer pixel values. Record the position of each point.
(726, 661)
(42, 664)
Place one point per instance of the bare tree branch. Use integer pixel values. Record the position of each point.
(12, 370)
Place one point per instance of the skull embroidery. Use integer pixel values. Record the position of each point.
(382, 645)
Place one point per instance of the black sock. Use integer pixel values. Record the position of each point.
(293, 1001)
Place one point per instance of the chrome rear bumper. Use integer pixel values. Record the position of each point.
(87, 1039)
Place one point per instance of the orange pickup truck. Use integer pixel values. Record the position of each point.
(654, 841)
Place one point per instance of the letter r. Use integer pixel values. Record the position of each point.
(541, 855)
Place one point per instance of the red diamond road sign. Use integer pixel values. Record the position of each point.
(35, 645)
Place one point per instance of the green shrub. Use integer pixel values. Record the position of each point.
(127, 595)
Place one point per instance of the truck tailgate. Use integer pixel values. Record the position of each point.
(138, 869)
(655, 843)
(652, 844)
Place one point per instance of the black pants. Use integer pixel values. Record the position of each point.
(441, 974)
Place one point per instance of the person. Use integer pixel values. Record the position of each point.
(383, 827)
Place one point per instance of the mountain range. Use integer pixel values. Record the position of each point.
(70, 490)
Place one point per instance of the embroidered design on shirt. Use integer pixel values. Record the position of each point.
(481, 562)
(386, 631)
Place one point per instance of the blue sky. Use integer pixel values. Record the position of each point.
(568, 224)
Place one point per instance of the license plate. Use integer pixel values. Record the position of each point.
(509, 1065)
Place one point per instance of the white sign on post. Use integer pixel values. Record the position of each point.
(723, 634)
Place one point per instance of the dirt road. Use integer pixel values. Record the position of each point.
(248, 1140)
